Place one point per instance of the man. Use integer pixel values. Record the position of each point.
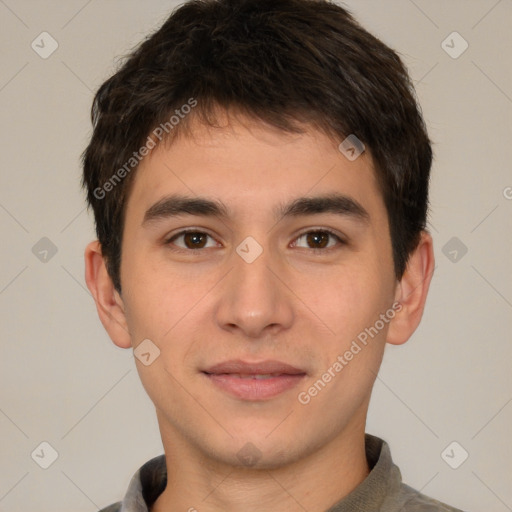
(259, 177)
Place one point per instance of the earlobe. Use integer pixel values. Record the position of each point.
(412, 291)
(109, 303)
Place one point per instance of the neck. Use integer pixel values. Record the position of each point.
(316, 482)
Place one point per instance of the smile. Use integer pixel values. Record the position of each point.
(256, 386)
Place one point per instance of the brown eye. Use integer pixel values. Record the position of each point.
(190, 240)
(320, 239)
(194, 240)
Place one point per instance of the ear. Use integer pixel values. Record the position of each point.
(108, 301)
(411, 291)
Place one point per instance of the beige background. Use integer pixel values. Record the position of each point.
(64, 382)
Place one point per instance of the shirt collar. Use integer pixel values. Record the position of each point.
(382, 484)
(384, 479)
(145, 486)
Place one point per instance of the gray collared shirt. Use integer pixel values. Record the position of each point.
(381, 491)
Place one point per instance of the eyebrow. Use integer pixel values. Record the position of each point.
(176, 205)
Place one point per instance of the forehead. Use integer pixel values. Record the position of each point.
(248, 164)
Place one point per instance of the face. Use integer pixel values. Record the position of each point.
(285, 261)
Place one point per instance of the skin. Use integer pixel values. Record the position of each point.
(294, 303)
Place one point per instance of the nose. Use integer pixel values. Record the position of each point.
(255, 301)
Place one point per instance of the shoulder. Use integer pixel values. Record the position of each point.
(115, 507)
(413, 501)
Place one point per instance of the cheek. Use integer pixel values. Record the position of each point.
(348, 300)
(149, 304)
(350, 304)
(352, 352)
(164, 305)
(158, 309)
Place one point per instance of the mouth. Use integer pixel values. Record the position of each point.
(254, 381)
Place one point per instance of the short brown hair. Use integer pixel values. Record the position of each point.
(283, 62)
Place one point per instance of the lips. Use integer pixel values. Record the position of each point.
(246, 369)
(254, 381)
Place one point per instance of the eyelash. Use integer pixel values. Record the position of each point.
(340, 241)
